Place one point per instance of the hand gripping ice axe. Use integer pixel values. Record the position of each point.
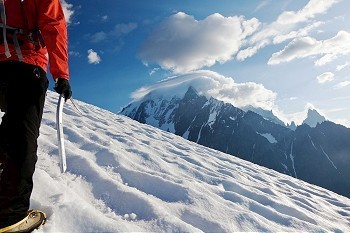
(60, 136)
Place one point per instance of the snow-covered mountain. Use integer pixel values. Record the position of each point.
(319, 154)
(313, 118)
(124, 176)
(268, 115)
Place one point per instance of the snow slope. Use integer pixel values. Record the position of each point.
(124, 176)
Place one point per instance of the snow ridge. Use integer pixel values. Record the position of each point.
(125, 176)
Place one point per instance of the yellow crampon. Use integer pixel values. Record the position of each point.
(33, 220)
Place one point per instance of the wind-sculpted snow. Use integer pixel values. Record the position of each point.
(318, 154)
(124, 176)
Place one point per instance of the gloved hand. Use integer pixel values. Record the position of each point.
(62, 87)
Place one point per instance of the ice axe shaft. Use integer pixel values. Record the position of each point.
(60, 135)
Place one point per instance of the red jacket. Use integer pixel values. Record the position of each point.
(48, 17)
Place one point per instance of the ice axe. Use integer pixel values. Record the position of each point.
(60, 136)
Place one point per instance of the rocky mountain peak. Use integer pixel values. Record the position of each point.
(191, 94)
(313, 118)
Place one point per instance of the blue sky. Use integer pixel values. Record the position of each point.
(287, 55)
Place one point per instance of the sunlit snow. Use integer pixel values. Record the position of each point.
(124, 176)
(269, 137)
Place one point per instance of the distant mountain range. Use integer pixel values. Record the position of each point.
(317, 151)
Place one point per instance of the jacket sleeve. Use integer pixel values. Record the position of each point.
(53, 28)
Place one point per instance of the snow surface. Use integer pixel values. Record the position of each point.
(269, 137)
(124, 176)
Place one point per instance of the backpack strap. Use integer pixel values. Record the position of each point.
(16, 31)
(33, 35)
(3, 18)
(17, 46)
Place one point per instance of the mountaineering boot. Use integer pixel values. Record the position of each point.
(33, 220)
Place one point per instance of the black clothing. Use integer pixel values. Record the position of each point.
(22, 95)
(62, 86)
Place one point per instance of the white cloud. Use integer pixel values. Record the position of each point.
(98, 37)
(251, 51)
(212, 84)
(74, 53)
(325, 77)
(270, 31)
(67, 9)
(313, 8)
(298, 33)
(182, 43)
(343, 121)
(287, 26)
(93, 57)
(118, 31)
(306, 46)
(326, 59)
(104, 17)
(300, 47)
(114, 37)
(153, 71)
(341, 67)
(342, 85)
(123, 29)
(261, 5)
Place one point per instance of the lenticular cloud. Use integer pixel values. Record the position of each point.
(212, 84)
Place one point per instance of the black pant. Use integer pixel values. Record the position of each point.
(22, 95)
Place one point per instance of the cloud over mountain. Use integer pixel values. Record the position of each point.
(212, 84)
